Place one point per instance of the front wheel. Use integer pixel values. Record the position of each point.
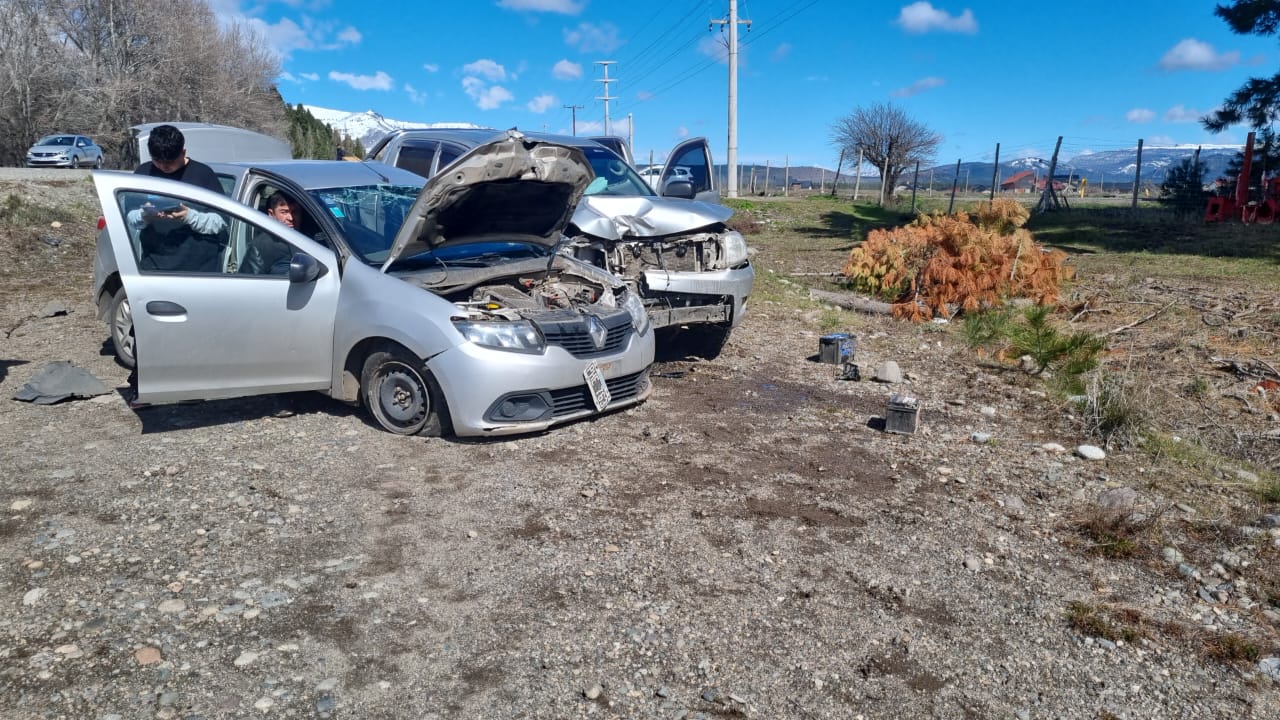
(401, 393)
(75, 162)
(97, 164)
(120, 318)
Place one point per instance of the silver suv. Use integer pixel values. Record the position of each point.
(691, 270)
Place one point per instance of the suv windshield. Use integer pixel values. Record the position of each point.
(369, 215)
(620, 178)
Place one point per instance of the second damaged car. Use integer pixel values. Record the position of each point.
(438, 307)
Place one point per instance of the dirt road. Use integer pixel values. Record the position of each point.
(747, 543)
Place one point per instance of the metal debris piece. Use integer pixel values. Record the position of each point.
(58, 381)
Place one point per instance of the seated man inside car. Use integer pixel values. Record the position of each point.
(268, 255)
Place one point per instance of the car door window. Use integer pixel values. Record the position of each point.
(693, 168)
(449, 153)
(170, 234)
(416, 157)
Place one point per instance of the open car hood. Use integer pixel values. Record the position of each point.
(511, 188)
(615, 218)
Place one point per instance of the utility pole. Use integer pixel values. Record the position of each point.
(732, 156)
(573, 109)
(606, 80)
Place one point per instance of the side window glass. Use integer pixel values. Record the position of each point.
(416, 158)
(174, 235)
(448, 153)
(696, 161)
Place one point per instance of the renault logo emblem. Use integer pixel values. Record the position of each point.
(599, 333)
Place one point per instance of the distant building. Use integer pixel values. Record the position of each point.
(1023, 182)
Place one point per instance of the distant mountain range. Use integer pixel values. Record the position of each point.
(1110, 166)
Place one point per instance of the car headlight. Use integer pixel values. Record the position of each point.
(734, 247)
(518, 336)
(635, 308)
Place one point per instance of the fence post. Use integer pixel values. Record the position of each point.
(995, 176)
(954, 182)
(1137, 176)
(857, 182)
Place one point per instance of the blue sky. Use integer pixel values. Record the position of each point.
(1101, 74)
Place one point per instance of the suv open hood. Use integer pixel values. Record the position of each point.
(511, 188)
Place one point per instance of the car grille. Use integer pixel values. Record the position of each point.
(574, 335)
(576, 399)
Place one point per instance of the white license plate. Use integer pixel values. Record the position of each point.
(599, 388)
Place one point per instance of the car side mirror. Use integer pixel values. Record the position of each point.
(303, 268)
(679, 189)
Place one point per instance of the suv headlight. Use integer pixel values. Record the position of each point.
(635, 308)
(734, 247)
(515, 336)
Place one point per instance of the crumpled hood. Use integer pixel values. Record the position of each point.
(614, 218)
(510, 188)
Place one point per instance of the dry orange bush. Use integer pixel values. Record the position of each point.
(941, 265)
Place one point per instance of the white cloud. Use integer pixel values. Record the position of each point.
(644, 95)
(289, 77)
(1161, 140)
(377, 81)
(564, 7)
(542, 103)
(350, 36)
(781, 52)
(487, 97)
(919, 86)
(591, 127)
(415, 97)
(309, 76)
(682, 132)
(1182, 114)
(593, 37)
(1192, 54)
(566, 70)
(431, 67)
(923, 17)
(487, 69)
(1140, 115)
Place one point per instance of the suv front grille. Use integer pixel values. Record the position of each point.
(575, 399)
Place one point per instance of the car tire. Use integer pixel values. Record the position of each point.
(97, 164)
(401, 394)
(75, 162)
(120, 320)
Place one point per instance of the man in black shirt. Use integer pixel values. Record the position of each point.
(168, 148)
(177, 238)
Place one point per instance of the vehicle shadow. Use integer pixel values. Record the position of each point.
(211, 413)
(6, 364)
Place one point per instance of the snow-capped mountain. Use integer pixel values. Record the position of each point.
(368, 127)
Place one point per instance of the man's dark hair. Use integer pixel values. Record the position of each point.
(277, 198)
(166, 143)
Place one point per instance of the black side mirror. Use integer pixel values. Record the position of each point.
(679, 189)
(303, 268)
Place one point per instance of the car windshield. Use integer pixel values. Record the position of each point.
(57, 140)
(481, 254)
(619, 177)
(369, 215)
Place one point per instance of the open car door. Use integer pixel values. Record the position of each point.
(694, 158)
(209, 320)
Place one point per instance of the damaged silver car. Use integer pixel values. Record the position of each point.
(691, 269)
(438, 307)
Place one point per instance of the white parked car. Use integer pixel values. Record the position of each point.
(70, 151)
(438, 307)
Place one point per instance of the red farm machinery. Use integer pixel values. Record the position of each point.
(1240, 206)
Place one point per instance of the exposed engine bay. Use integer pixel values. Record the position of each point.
(630, 257)
(526, 290)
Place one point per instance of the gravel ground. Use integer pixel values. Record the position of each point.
(747, 543)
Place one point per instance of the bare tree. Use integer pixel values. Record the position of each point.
(883, 133)
(101, 66)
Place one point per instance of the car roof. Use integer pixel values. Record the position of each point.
(318, 174)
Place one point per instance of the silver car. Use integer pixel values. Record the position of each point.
(71, 151)
(438, 307)
(691, 269)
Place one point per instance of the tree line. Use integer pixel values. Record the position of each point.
(98, 67)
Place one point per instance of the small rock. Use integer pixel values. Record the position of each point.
(1118, 499)
(1271, 667)
(264, 703)
(33, 596)
(980, 438)
(588, 493)
(327, 684)
(1054, 448)
(888, 372)
(1013, 505)
(1246, 476)
(20, 505)
(1171, 555)
(972, 564)
(172, 606)
(53, 308)
(1090, 452)
(593, 692)
(69, 651)
(147, 655)
(987, 411)
(245, 658)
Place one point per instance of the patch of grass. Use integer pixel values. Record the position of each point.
(1268, 490)
(1232, 649)
(1179, 450)
(832, 320)
(1113, 535)
(1102, 622)
(16, 212)
(1113, 409)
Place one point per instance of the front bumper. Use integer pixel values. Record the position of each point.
(476, 380)
(48, 162)
(677, 298)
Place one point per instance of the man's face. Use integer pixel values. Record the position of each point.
(169, 167)
(284, 212)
